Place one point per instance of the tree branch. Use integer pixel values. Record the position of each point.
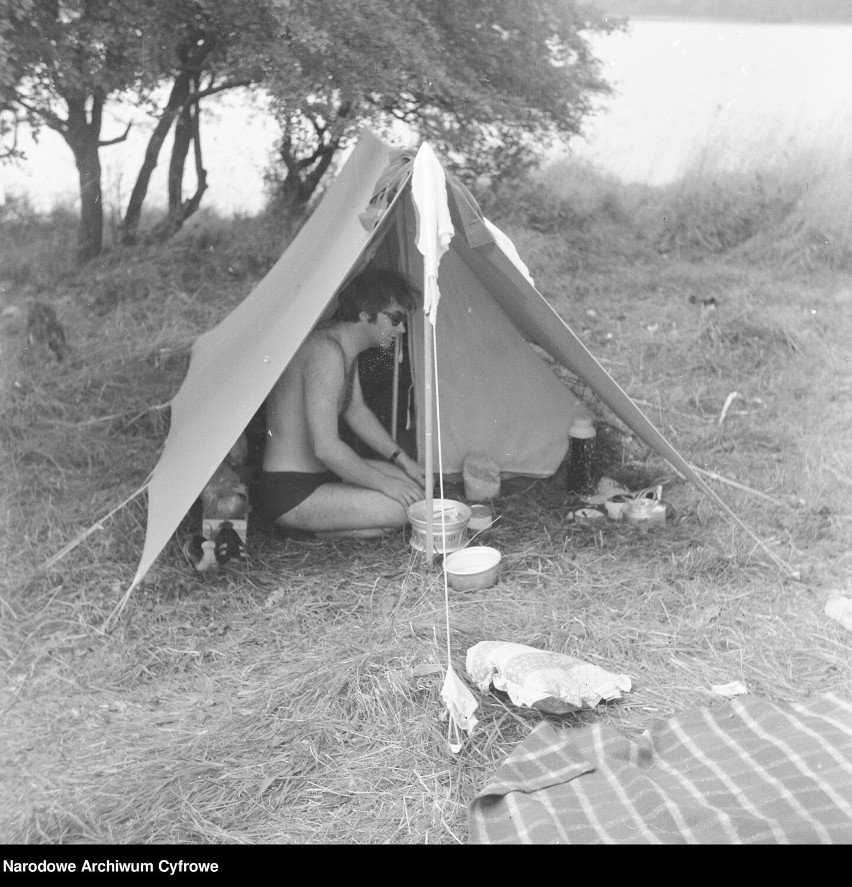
(47, 117)
(5, 129)
(212, 90)
(117, 139)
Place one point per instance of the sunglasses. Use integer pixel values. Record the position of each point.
(396, 317)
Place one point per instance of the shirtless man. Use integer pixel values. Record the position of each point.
(311, 479)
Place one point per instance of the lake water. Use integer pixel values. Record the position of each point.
(737, 93)
(753, 93)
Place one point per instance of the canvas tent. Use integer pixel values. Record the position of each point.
(497, 395)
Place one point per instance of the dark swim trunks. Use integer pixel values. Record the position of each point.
(279, 491)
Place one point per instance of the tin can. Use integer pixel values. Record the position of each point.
(481, 518)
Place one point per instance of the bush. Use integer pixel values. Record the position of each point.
(35, 250)
(701, 217)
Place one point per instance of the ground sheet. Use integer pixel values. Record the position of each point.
(747, 771)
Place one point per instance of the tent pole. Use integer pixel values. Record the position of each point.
(397, 356)
(428, 358)
(405, 261)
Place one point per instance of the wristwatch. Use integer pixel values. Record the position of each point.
(394, 456)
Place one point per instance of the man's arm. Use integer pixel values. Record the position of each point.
(364, 422)
(323, 380)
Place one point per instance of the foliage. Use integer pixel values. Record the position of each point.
(63, 61)
(489, 83)
(36, 249)
(54, 50)
(716, 216)
(210, 46)
(796, 213)
(492, 81)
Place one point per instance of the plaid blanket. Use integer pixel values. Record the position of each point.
(745, 772)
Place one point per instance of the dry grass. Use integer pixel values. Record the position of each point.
(297, 700)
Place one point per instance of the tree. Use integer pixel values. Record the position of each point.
(61, 62)
(206, 47)
(491, 82)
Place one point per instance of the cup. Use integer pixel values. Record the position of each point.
(481, 517)
(615, 506)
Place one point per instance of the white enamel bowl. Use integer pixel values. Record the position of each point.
(473, 568)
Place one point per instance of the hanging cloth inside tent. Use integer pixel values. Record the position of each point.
(390, 181)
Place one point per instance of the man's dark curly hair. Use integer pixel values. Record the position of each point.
(372, 291)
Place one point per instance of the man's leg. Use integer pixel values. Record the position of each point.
(341, 507)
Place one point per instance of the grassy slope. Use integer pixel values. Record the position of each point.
(299, 700)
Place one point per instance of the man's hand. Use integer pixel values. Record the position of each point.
(405, 491)
(413, 469)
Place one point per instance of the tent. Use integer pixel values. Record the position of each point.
(497, 395)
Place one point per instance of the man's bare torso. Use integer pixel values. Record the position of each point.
(288, 444)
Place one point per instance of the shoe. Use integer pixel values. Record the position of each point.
(200, 552)
(229, 546)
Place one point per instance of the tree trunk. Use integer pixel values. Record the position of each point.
(183, 139)
(191, 54)
(133, 215)
(303, 175)
(91, 232)
(82, 136)
(187, 132)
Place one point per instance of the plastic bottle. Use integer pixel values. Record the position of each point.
(581, 453)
